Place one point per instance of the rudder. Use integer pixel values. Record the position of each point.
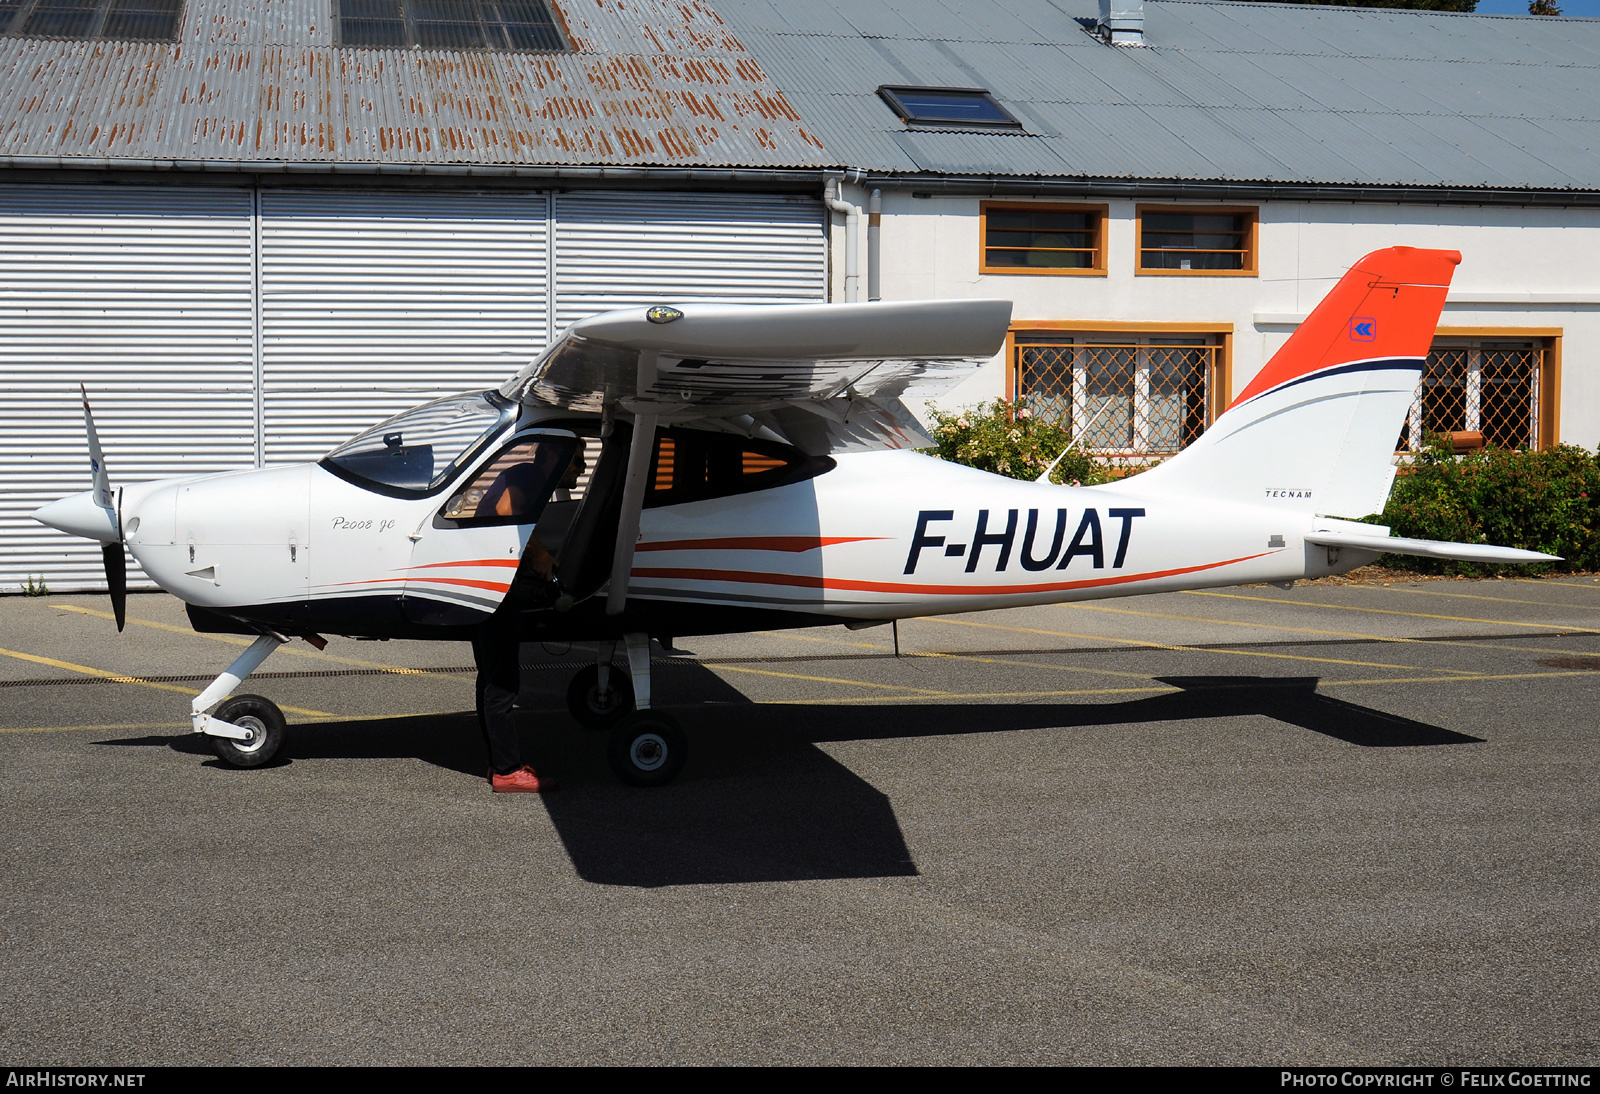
(1315, 430)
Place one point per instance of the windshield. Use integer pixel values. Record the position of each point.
(422, 449)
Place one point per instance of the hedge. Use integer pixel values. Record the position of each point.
(1009, 439)
(1540, 501)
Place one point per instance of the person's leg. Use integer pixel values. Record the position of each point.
(495, 650)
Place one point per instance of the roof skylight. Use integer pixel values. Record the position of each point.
(503, 25)
(92, 20)
(948, 107)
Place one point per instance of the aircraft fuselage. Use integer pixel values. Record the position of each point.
(878, 536)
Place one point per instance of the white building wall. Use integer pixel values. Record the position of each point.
(1522, 267)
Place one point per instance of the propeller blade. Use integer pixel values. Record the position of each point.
(116, 580)
(97, 460)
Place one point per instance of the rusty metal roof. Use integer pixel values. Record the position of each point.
(648, 82)
(1224, 94)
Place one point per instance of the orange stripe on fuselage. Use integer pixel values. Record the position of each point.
(808, 581)
(508, 562)
(793, 544)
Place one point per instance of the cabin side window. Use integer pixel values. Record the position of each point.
(690, 465)
(513, 487)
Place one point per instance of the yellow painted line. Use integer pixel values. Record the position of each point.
(824, 641)
(1200, 649)
(181, 729)
(1455, 679)
(825, 679)
(235, 640)
(1264, 653)
(864, 699)
(172, 726)
(1361, 636)
(1156, 615)
(1474, 596)
(1383, 611)
(1048, 634)
(1266, 683)
(102, 673)
(966, 656)
(120, 678)
(1466, 644)
(1034, 665)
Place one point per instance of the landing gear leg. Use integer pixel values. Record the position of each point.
(646, 748)
(247, 730)
(599, 696)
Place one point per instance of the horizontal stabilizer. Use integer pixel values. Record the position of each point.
(1428, 548)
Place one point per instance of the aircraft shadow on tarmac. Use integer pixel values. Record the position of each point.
(759, 801)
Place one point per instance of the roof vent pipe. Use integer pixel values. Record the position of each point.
(1122, 22)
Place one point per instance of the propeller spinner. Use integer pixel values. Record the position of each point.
(96, 514)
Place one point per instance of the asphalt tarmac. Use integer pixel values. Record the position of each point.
(1329, 825)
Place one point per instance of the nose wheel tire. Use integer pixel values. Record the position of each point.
(265, 723)
(589, 707)
(647, 749)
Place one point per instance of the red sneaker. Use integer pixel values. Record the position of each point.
(524, 780)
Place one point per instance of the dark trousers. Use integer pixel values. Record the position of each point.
(495, 651)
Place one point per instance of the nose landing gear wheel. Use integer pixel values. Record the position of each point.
(264, 721)
(647, 749)
(589, 708)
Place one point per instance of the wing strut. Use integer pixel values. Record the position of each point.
(640, 449)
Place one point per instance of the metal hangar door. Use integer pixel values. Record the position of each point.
(146, 296)
(224, 328)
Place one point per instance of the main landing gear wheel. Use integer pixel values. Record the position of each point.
(647, 749)
(265, 723)
(587, 705)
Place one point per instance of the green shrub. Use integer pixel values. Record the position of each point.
(1539, 501)
(1007, 439)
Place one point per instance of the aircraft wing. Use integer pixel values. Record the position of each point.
(821, 376)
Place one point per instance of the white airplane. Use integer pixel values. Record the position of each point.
(756, 470)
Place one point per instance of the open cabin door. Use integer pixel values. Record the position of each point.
(466, 557)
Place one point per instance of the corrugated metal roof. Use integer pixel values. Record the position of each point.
(648, 82)
(1221, 91)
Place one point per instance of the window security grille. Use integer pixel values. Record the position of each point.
(1129, 401)
(1488, 387)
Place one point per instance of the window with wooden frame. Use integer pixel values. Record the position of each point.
(1131, 393)
(1487, 386)
(1204, 240)
(1035, 238)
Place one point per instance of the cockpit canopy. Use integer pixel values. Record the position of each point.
(419, 451)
